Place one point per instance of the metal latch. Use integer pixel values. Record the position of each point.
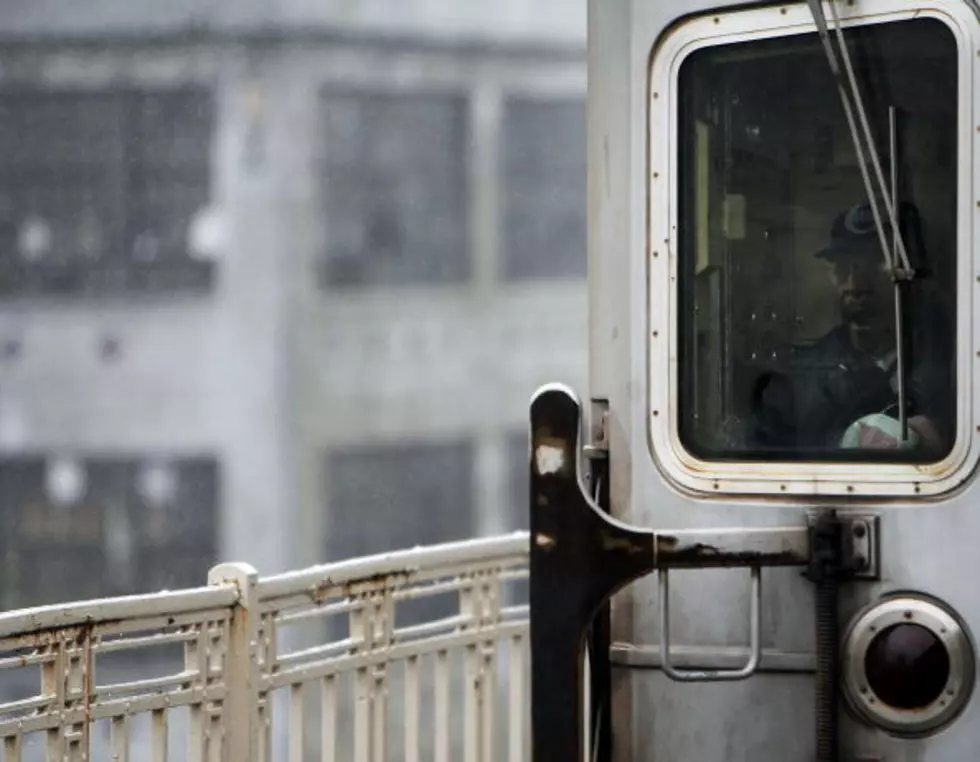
(598, 444)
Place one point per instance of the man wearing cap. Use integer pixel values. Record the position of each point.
(843, 390)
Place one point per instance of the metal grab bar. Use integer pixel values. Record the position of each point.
(718, 675)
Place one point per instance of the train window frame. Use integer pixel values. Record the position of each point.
(797, 479)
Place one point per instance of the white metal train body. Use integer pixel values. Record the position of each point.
(725, 173)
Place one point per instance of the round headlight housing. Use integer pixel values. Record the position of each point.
(908, 665)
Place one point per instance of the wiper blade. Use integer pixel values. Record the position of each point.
(899, 267)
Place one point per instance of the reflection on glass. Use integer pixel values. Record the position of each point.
(789, 341)
(907, 666)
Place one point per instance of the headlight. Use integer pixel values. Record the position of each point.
(908, 665)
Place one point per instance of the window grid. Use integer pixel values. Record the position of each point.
(99, 188)
(112, 532)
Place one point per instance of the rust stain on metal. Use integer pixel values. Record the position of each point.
(88, 686)
(611, 542)
(84, 633)
(672, 553)
(55, 634)
(543, 436)
(321, 592)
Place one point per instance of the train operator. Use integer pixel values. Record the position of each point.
(820, 396)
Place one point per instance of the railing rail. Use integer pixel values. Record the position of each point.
(369, 659)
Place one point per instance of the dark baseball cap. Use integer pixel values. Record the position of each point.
(854, 232)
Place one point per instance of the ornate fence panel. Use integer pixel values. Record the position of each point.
(412, 655)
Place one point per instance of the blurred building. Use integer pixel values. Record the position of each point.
(278, 279)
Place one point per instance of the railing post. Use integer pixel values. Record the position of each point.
(240, 710)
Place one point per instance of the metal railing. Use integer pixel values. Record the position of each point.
(417, 654)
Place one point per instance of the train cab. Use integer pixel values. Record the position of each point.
(765, 506)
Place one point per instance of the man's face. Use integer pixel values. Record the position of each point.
(863, 288)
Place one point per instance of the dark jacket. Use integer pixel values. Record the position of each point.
(810, 400)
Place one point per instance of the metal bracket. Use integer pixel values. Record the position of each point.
(580, 556)
(598, 445)
(862, 545)
(860, 551)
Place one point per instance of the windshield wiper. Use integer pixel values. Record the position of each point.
(896, 261)
(852, 101)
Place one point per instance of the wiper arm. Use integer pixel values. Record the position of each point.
(897, 263)
(899, 312)
(852, 101)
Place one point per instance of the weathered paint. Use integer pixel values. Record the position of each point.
(241, 623)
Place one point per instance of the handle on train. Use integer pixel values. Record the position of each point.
(580, 556)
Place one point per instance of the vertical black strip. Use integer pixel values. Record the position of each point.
(825, 572)
(578, 558)
(600, 640)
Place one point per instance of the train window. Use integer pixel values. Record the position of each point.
(395, 189)
(805, 331)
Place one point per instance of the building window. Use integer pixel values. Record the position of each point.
(395, 189)
(99, 191)
(544, 188)
(390, 497)
(76, 528)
